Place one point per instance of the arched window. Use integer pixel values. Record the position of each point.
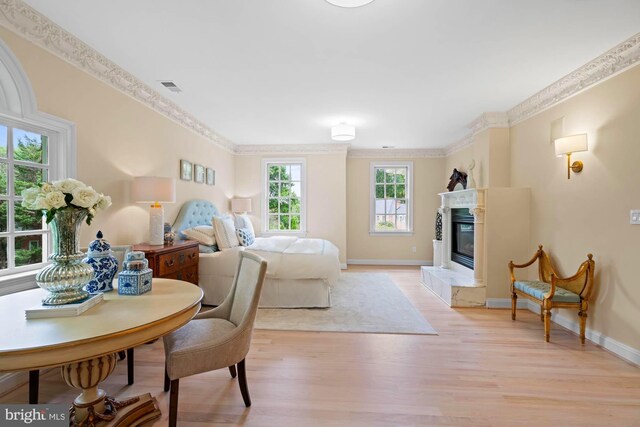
(34, 147)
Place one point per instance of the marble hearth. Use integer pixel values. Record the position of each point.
(456, 284)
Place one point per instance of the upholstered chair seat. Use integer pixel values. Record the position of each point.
(217, 338)
(539, 289)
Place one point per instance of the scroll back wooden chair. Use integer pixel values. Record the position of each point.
(552, 291)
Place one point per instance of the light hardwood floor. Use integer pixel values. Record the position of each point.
(481, 370)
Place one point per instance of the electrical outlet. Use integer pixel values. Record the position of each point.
(413, 249)
(634, 216)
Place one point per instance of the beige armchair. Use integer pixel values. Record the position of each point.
(217, 338)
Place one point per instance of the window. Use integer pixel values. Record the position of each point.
(285, 196)
(24, 163)
(391, 208)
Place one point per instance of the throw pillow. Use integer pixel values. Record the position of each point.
(243, 221)
(225, 232)
(204, 234)
(245, 236)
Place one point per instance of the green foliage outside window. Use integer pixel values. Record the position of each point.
(285, 183)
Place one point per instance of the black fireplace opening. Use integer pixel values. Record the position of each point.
(462, 237)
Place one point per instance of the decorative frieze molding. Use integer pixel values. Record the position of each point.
(488, 121)
(616, 60)
(457, 146)
(396, 153)
(252, 150)
(21, 18)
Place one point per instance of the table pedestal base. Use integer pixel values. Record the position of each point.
(93, 405)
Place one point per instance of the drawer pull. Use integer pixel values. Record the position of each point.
(180, 275)
(169, 262)
(181, 258)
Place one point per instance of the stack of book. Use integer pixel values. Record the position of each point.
(65, 310)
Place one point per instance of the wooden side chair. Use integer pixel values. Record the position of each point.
(217, 338)
(552, 291)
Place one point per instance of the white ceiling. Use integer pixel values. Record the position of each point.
(406, 73)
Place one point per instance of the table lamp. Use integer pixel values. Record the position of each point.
(154, 189)
(241, 205)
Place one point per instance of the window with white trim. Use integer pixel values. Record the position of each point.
(24, 163)
(391, 197)
(284, 189)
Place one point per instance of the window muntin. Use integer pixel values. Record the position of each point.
(24, 163)
(391, 198)
(284, 189)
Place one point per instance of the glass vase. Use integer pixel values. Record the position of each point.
(67, 274)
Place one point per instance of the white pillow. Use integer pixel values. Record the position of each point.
(225, 232)
(204, 234)
(243, 221)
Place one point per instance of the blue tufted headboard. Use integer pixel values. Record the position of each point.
(194, 212)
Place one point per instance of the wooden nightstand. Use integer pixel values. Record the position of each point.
(177, 261)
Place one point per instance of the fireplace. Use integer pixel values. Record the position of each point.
(462, 237)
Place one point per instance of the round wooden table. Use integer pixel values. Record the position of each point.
(86, 345)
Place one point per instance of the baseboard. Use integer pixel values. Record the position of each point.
(622, 350)
(389, 262)
(506, 303)
(9, 381)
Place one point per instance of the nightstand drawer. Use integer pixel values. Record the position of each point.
(189, 274)
(174, 261)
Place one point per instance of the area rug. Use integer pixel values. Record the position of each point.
(360, 302)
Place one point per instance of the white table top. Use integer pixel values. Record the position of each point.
(117, 323)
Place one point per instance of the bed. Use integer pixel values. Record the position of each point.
(300, 272)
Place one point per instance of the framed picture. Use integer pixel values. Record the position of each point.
(199, 174)
(211, 177)
(186, 170)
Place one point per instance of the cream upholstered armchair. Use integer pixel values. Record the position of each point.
(217, 338)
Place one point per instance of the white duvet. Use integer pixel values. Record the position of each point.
(294, 258)
(288, 258)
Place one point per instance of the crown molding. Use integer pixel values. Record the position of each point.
(487, 121)
(459, 145)
(395, 153)
(612, 62)
(260, 149)
(17, 16)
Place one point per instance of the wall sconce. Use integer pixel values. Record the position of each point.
(569, 145)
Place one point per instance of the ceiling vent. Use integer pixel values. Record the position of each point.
(171, 86)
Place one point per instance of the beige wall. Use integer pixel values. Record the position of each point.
(590, 212)
(427, 181)
(118, 138)
(326, 194)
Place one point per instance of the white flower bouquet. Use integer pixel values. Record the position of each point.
(65, 194)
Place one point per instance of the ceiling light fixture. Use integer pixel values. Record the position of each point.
(343, 132)
(349, 3)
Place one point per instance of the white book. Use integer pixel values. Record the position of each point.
(65, 310)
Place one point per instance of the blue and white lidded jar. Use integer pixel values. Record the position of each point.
(135, 277)
(104, 264)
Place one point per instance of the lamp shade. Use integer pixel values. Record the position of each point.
(241, 205)
(571, 144)
(343, 132)
(152, 189)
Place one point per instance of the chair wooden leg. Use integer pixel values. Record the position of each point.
(34, 386)
(242, 380)
(547, 323)
(583, 324)
(130, 366)
(167, 381)
(232, 370)
(514, 303)
(541, 313)
(173, 403)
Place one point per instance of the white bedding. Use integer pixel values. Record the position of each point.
(293, 265)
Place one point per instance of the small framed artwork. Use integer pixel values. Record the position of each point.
(186, 171)
(199, 174)
(211, 176)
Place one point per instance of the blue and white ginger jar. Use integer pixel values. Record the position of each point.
(104, 264)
